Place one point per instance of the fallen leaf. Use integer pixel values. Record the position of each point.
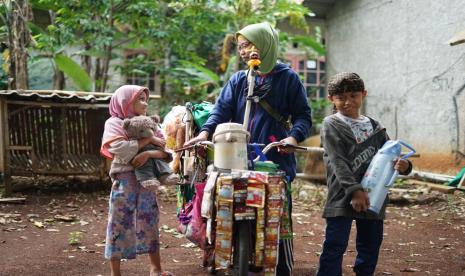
(38, 224)
(410, 269)
(67, 218)
(189, 245)
(410, 261)
(9, 229)
(52, 230)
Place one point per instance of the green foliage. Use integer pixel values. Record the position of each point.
(40, 71)
(181, 39)
(401, 183)
(74, 71)
(74, 238)
(318, 112)
(3, 75)
(309, 42)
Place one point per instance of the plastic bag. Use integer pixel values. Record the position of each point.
(191, 223)
(200, 112)
(173, 127)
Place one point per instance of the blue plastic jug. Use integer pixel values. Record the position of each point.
(380, 174)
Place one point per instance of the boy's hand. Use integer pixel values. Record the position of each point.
(360, 201)
(140, 159)
(401, 165)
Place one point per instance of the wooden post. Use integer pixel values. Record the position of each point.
(64, 138)
(4, 145)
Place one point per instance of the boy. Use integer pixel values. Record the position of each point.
(350, 141)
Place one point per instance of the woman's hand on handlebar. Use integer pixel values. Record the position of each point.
(203, 136)
(289, 140)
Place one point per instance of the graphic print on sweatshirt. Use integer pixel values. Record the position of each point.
(361, 127)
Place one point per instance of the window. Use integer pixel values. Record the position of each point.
(311, 72)
(140, 71)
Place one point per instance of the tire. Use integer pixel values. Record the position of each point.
(242, 248)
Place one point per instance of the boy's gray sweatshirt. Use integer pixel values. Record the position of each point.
(346, 163)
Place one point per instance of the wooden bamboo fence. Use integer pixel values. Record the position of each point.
(51, 135)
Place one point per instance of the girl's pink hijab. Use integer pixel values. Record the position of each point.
(121, 107)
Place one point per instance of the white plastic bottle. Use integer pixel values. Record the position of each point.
(380, 174)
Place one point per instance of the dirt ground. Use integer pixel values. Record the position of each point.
(422, 238)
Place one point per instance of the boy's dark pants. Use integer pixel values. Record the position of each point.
(368, 243)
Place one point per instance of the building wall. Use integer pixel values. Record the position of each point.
(415, 79)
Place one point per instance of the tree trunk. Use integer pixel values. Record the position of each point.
(165, 87)
(97, 76)
(86, 60)
(19, 38)
(108, 49)
(59, 80)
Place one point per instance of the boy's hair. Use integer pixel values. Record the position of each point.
(345, 82)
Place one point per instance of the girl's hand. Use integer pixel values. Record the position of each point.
(157, 141)
(140, 159)
(360, 201)
(289, 140)
(401, 165)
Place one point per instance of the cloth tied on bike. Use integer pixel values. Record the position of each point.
(200, 113)
(260, 92)
(191, 223)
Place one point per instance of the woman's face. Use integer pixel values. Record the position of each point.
(245, 48)
(140, 104)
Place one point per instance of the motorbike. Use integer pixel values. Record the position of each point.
(242, 210)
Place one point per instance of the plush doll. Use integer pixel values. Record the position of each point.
(175, 131)
(155, 171)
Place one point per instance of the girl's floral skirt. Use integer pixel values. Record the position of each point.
(133, 219)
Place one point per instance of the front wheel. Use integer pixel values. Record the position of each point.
(242, 248)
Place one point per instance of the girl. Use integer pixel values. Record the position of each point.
(350, 141)
(133, 215)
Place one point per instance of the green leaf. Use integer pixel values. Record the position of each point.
(73, 71)
(200, 71)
